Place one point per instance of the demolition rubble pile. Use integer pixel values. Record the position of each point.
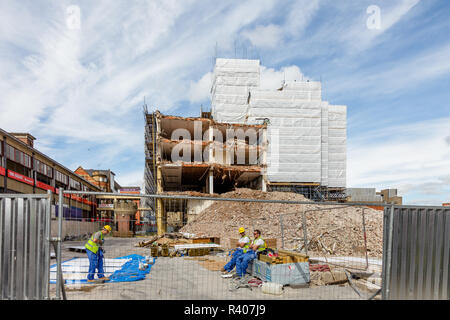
(337, 230)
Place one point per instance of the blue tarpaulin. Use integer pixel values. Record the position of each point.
(130, 270)
(121, 269)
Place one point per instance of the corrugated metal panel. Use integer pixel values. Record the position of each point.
(24, 243)
(418, 265)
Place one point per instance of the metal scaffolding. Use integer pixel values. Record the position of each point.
(150, 160)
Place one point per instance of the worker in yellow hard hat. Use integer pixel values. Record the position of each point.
(94, 250)
(257, 246)
(241, 248)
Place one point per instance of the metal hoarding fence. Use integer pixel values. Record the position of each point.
(25, 246)
(416, 253)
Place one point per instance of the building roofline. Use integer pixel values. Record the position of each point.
(10, 136)
(22, 134)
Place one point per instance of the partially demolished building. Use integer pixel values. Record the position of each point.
(284, 139)
(201, 155)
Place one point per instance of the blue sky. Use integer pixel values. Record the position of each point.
(79, 90)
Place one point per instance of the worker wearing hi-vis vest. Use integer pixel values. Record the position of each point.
(241, 247)
(258, 245)
(94, 251)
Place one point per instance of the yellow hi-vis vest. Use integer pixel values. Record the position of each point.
(91, 245)
(260, 248)
(246, 246)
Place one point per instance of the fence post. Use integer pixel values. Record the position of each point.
(365, 237)
(47, 243)
(387, 263)
(58, 239)
(305, 235)
(282, 231)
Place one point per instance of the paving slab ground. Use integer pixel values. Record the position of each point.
(182, 279)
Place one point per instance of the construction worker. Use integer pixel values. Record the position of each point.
(242, 247)
(258, 245)
(94, 251)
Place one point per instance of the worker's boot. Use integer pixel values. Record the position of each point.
(104, 279)
(95, 281)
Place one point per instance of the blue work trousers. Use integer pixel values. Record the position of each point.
(95, 262)
(242, 262)
(232, 263)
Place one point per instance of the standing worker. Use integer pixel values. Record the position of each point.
(242, 247)
(94, 251)
(257, 246)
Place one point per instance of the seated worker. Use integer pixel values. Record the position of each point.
(242, 247)
(258, 245)
(94, 252)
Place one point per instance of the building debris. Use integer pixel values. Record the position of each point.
(330, 231)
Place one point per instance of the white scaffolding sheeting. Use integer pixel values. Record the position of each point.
(231, 85)
(324, 143)
(297, 120)
(337, 146)
(306, 136)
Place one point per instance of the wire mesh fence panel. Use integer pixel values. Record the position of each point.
(344, 245)
(200, 238)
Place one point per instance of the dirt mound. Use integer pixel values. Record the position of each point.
(330, 230)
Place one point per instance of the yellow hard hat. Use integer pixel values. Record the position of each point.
(241, 230)
(107, 228)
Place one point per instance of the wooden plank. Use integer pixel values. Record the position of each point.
(264, 258)
(299, 255)
(300, 259)
(201, 240)
(195, 246)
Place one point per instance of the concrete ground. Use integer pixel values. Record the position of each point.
(182, 279)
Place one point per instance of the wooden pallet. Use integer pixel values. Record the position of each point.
(154, 251)
(205, 240)
(198, 252)
(284, 256)
(296, 256)
(164, 250)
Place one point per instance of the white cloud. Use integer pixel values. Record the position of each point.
(397, 75)
(133, 178)
(358, 37)
(77, 88)
(200, 91)
(392, 15)
(121, 53)
(264, 36)
(300, 15)
(272, 79)
(270, 36)
(414, 158)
